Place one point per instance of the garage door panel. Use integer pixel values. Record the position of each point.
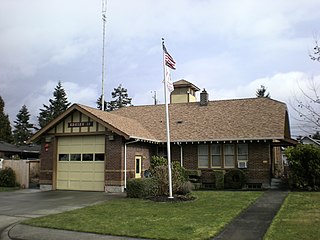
(74, 185)
(98, 167)
(98, 176)
(64, 149)
(75, 166)
(88, 148)
(81, 175)
(87, 176)
(99, 148)
(61, 184)
(63, 166)
(63, 175)
(75, 176)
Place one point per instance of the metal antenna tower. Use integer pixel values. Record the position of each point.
(104, 21)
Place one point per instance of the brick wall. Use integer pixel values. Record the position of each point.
(190, 156)
(114, 161)
(47, 156)
(145, 150)
(114, 168)
(259, 163)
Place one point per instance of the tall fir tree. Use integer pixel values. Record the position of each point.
(99, 103)
(5, 128)
(121, 97)
(261, 92)
(57, 105)
(22, 128)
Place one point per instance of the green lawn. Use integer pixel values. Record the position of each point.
(298, 218)
(199, 219)
(8, 189)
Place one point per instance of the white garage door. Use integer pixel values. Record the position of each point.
(80, 163)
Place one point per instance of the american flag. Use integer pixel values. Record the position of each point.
(168, 59)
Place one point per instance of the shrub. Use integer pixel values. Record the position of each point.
(304, 165)
(185, 188)
(7, 178)
(159, 169)
(160, 174)
(208, 177)
(140, 187)
(157, 161)
(219, 175)
(234, 179)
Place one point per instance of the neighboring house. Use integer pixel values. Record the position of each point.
(309, 140)
(10, 151)
(88, 149)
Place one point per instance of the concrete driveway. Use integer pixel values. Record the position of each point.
(22, 204)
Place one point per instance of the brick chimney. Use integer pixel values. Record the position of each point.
(204, 98)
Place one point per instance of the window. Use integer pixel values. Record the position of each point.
(99, 157)
(216, 155)
(229, 156)
(63, 157)
(242, 155)
(203, 156)
(75, 157)
(162, 151)
(87, 157)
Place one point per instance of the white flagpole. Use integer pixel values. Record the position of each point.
(167, 124)
(104, 19)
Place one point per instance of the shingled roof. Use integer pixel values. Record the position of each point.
(240, 119)
(223, 120)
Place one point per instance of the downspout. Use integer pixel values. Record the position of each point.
(181, 154)
(125, 162)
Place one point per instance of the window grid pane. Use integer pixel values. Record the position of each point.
(87, 157)
(63, 157)
(99, 157)
(215, 155)
(75, 157)
(216, 161)
(229, 156)
(203, 161)
(203, 156)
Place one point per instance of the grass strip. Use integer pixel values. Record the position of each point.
(298, 218)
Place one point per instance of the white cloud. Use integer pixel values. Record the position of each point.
(228, 47)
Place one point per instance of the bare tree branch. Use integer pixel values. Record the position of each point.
(307, 107)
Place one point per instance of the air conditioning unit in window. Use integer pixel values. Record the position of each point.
(242, 164)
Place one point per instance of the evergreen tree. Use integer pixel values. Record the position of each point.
(261, 92)
(23, 129)
(121, 97)
(316, 135)
(5, 128)
(99, 103)
(57, 106)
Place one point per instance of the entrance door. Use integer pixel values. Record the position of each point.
(138, 167)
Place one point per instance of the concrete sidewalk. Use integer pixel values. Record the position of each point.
(255, 221)
(24, 232)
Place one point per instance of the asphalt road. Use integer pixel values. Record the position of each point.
(22, 204)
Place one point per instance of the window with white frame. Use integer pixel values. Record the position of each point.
(215, 150)
(242, 155)
(203, 156)
(229, 155)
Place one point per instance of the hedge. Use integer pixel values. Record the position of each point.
(234, 179)
(140, 187)
(7, 177)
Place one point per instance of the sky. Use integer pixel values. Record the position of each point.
(229, 47)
